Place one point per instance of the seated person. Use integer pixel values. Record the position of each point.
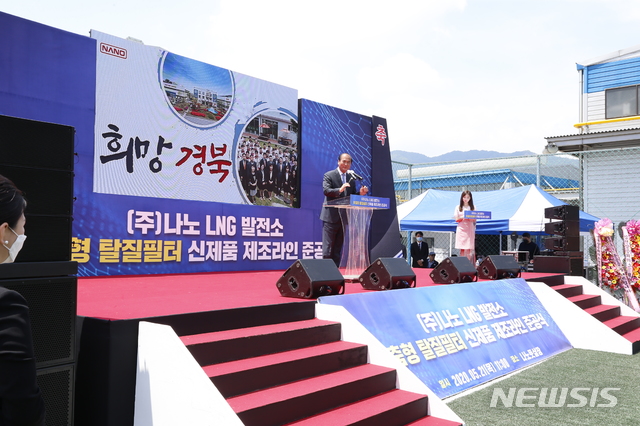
(528, 245)
(431, 261)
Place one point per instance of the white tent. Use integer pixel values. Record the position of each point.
(519, 209)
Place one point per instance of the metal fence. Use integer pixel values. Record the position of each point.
(603, 183)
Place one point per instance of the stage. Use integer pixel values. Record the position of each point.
(133, 297)
(110, 310)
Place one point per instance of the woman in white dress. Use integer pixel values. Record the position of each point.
(466, 229)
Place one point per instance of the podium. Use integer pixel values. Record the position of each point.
(355, 212)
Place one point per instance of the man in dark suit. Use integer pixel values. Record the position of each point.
(419, 252)
(336, 183)
(244, 172)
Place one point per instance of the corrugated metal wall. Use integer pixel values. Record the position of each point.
(625, 72)
(598, 78)
(611, 184)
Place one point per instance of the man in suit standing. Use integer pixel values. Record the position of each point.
(419, 252)
(336, 183)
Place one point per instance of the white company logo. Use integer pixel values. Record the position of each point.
(555, 397)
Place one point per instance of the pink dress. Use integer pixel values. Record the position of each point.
(465, 232)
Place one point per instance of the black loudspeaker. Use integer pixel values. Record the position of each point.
(56, 387)
(311, 278)
(559, 264)
(567, 229)
(564, 228)
(564, 212)
(36, 144)
(388, 273)
(52, 309)
(563, 243)
(38, 157)
(498, 267)
(457, 269)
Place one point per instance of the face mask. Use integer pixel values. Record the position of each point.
(15, 248)
(419, 239)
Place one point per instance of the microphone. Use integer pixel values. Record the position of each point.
(354, 174)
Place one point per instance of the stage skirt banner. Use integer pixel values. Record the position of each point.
(459, 336)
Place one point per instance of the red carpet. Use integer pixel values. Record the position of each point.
(129, 297)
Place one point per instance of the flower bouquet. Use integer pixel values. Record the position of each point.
(611, 274)
(631, 233)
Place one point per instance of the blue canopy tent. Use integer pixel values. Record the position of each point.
(519, 209)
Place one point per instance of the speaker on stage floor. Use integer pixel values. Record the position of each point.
(457, 269)
(559, 264)
(498, 268)
(388, 273)
(311, 278)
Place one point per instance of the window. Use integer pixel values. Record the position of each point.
(621, 102)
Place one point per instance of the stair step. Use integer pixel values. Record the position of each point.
(623, 324)
(230, 345)
(304, 398)
(229, 319)
(586, 300)
(604, 312)
(248, 375)
(434, 421)
(634, 337)
(394, 408)
(568, 290)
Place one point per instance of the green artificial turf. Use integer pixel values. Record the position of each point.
(575, 368)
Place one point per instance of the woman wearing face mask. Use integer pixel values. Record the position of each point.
(12, 220)
(20, 400)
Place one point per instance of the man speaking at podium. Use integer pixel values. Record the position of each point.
(339, 182)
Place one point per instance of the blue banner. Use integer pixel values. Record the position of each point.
(459, 336)
(476, 214)
(371, 202)
(182, 166)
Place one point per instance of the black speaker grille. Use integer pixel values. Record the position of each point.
(56, 386)
(48, 239)
(48, 192)
(38, 157)
(36, 144)
(52, 308)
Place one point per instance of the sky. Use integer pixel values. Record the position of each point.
(496, 75)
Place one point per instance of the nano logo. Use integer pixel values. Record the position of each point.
(113, 50)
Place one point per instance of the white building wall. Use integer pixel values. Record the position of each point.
(611, 186)
(595, 107)
(618, 69)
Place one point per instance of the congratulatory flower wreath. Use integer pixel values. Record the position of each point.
(631, 234)
(611, 273)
